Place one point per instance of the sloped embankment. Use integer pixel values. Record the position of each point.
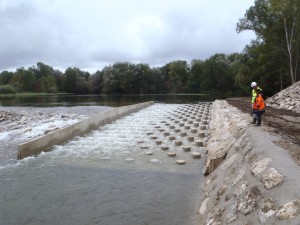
(249, 180)
(288, 98)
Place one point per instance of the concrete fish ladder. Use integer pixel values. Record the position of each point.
(81, 128)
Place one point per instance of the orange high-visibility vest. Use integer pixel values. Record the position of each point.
(259, 103)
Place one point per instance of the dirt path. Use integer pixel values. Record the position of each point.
(283, 122)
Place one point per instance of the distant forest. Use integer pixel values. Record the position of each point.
(271, 60)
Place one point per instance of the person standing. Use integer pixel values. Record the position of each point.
(258, 104)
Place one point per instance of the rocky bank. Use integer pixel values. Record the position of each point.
(249, 179)
(288, 98)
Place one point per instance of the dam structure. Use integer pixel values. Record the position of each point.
(143, 168)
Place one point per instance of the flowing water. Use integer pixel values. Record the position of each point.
(118, 174)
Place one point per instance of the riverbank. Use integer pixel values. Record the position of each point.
(251, 178)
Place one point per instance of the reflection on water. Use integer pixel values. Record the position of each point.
(107, 100)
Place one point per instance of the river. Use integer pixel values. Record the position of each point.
(105, 100)
(115, 175)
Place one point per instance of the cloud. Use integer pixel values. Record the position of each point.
(90, 34)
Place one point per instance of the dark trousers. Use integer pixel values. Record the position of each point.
(257, 114)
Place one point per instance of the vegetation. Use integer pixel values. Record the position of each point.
(212, 75)
(271, 60)
(7, 89)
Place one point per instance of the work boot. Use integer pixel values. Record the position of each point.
(258, 122)
(254, 120)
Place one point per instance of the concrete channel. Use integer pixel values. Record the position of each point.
(144, 168)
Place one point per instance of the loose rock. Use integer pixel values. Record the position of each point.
(271, 179)
(249, 202)
(203, 206)
(260, 166)
(289, 210)
(268, 210)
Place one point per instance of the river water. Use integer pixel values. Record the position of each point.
(118, 174)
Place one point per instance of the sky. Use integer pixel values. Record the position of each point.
(92, 34)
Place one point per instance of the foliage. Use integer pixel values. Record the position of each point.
(277, 26)
(5, 77)
(7, 89)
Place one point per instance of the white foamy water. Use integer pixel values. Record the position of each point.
(129, 139)
(116, 143)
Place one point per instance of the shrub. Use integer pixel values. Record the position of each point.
(7, 89)
(53, 89)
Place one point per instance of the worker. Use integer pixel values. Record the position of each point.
(258, 104)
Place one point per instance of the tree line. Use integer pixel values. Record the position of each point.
(212, 75)
(271, 59)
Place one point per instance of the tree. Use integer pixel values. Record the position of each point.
(70, 80)
(140, 73)
(289, 13)
(109, 81)
(27, 80)
(277, 25)
(5, 77)
(194, 80)
(178, 75)
(49, 84)
(97, 82)
(43, 70)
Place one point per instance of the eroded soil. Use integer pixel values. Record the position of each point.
(286, 123)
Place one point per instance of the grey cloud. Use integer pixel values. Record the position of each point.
(88, 35)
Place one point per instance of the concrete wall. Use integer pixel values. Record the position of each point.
(63, 135)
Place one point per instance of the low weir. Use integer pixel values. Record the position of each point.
(144, 168)
(65, 134)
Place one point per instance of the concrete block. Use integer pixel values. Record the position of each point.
(61, 136)
(33, 147)
(81, 128)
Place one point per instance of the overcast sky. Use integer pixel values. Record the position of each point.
(91, 34)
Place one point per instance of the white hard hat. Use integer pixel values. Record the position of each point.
(253, 84)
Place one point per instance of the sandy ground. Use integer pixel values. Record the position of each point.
(21, 124)
(286, 123)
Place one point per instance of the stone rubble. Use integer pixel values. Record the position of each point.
(250, 202)
(10, 120)
(288, 98)
(289, 210)
(267, 210)
(260, 166)
(245, 184)
(271, 178)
